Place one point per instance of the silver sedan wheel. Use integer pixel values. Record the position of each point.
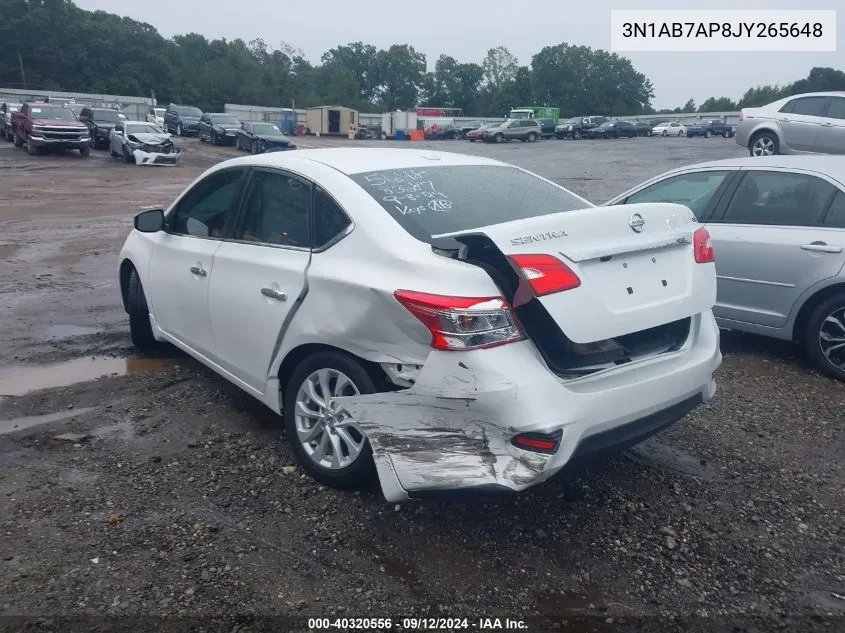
(327, 433)
(832, 338)
(763, 146)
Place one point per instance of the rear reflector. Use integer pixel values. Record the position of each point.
(462, 323)
(546, 274)
(701, 247)
(537, 442)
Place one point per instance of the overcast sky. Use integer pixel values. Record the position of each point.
(466, 30)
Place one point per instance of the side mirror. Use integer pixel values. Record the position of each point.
(151, 221)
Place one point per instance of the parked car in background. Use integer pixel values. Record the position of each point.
(156, 116)
(576, 126)
(100, 122)
(669, 128)
(6, 110)
(513, 130)
(478, 134)
(181, 120)
(76, 108)
(368, 132)
(260, 137)
(812, 122)
(469, 126)
(547, 127)
(710, 128)
(612, 129)
(559, 361)
(218, 128)
(643, 128)
(778, 228)
(439, 132)
(144, 144)
(42, 126)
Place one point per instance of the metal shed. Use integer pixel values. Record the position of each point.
(333, 120)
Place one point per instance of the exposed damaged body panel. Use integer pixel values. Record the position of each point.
(154, 149)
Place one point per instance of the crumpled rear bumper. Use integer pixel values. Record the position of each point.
(454, 429)
(153, 158)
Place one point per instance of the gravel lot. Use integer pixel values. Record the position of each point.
(183, 499)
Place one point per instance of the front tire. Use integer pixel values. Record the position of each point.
(140, 328)
(127, 157)
(32, 148)
(764, 144)
(85, 152)
(824, 337)
(499, 138)
(327, 442)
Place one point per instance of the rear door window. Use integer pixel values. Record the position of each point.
(695, 190)
(836, 109)
(836, 214)
(449, 199)
(809, 106)
(779, 199)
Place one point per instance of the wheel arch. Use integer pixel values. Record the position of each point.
(762, 129)
(299, 353)
(126, 268)
(814, 300)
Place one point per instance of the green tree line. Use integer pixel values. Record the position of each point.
(55, 45)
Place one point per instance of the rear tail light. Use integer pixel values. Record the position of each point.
(538, 442)
(462, 323)
(701, 247)
(546, 274)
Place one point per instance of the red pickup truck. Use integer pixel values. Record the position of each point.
(47, 125)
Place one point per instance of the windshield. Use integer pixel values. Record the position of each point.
(106, 116)
(143, 128)
(573, 120)
(439, 200)
(189, 111)
(607, 124)
(159, 111)
(266, 128)
(225, 119)
(52, 112)
(521, 114)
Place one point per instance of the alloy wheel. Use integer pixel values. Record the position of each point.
(832, 338)
(763, 146)
(327, 433)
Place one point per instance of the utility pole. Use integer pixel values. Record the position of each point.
(23, 74)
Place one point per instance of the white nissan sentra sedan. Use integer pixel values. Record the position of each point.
(452, 321)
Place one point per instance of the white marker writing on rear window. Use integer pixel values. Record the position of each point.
(406, 187)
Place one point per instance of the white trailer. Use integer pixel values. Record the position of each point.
(399, 121)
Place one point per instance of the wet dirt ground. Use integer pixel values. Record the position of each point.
(147, 486)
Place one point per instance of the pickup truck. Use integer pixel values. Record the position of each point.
(47, 125)
(710, 128)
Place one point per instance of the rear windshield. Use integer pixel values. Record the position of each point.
(448, 199)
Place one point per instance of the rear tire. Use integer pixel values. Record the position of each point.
(362, 468)
(708, 134)
(764, 144)
(822, 325)
(140, 328)
(532, 137)
(499, 138)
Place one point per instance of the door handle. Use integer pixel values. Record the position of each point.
(199, 270)
(821, 247)
(272, 293)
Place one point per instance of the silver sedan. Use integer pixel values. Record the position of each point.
(778, 229)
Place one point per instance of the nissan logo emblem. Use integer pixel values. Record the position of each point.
(636, 223)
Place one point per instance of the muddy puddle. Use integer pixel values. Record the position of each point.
(59, 332)
(22, 379)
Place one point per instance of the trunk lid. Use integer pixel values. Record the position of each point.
(635, 263)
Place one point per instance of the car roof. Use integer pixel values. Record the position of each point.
(833, 166)
(356, 160)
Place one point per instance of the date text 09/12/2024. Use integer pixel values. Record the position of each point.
(416, 624)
